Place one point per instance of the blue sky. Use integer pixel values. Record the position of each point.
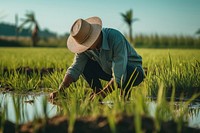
(168, 17)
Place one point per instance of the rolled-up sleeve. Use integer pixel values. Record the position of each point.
(77, 67)
(119, 61)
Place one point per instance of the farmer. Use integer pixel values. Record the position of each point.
(101, 53)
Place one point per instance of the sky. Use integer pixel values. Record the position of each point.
(166, 17)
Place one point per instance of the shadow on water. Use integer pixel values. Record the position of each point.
(30, 107)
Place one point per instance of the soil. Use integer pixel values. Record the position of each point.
(30, 71)
(124, 124)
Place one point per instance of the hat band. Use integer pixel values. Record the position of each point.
(86, 35)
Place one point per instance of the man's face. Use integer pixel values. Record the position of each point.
(97, 43)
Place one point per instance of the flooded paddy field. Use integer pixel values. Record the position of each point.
(169, 94)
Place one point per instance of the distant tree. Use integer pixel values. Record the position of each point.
(198, 31)
(16, 26)
(2, 15)
(34, 27)
(128, 19)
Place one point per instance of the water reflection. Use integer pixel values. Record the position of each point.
(30, 107)
(194, 119)
(193, 116)
(193, 108)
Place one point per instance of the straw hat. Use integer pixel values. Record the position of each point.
(83, 34)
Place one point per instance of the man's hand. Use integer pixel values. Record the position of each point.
(67, 80)
(53, 95)
(107, 89)
(92, 96)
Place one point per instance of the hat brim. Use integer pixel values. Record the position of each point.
(75, 47)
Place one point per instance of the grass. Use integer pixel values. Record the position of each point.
(171, 72)
(35, 57)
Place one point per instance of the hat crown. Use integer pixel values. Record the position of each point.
(81, 30)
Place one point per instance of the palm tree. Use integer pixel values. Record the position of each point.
(16, 26)
(198, 31)
(128, 18)
(30, 18)
(2, 15)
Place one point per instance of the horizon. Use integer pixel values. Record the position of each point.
(180, 17)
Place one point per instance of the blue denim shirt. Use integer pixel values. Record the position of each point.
(114, 56)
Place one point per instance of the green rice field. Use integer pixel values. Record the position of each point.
(171, 87)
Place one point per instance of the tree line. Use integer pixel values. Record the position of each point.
(10, 30)
(139, 41)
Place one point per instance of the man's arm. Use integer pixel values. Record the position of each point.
(67, 80)
(72, 73)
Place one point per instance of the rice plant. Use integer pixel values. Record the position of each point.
(171, 75)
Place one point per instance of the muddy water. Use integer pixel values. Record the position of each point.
(32, 106)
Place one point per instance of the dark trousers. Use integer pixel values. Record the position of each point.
(93, 73)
